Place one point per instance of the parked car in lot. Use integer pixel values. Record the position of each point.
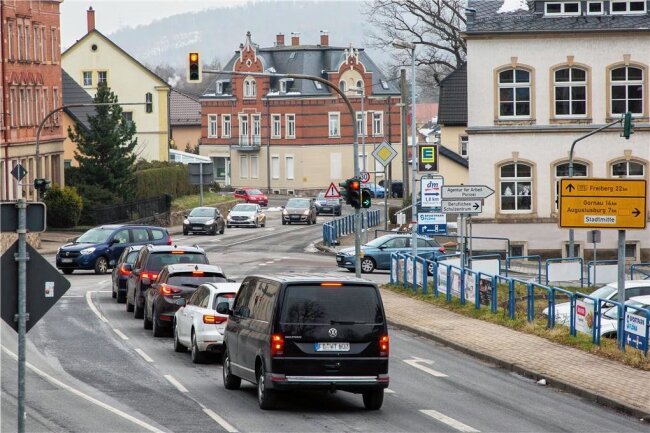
(376, 253)
(175, 282)
(252, 195)
(204, 220)
(198, 325)
(122, 270)
(246, 215)
(288, 332)
(150, 261)
(609, 320)
(327, 205)
(397, 188)
(376, 191)
(299, 210)
(99, 248)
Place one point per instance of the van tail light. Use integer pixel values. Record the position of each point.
(166, 290)
(277, 345)
(169, 240)
(124, 272)
(384, 346)
(213, 320)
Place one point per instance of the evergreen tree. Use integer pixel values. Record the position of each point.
(105, 151)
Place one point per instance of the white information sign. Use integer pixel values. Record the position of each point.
(442, 279)
(431, 192)
(470, 286)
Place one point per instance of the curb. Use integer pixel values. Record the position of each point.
(530, 373)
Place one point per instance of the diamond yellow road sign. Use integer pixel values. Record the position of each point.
(603, 203)
(384, 153)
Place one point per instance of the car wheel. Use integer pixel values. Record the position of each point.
(223, 229)
(178, 346)
(101, 265)
(284, 223)
(266, 398)
(138, 312)
(121, 298)
(228, 226)
(197, 355)
(185, 232)
(367, 265)
(129, 307)
(158, 331)
(67, 271)
(113, 294)
(213, 230)
(372, 400)
(230, 381)
(147, 321)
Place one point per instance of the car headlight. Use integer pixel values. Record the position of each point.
(306, 212)
(284, 212)
(87, 251)
(209, 222)
(58, 251)
(186, 222)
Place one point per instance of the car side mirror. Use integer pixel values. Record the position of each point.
(180, 302)
(113, 242)
(224, 308)
(185, 215)
(381, 247)
(136, 271)
(146, 282)
(127, 267)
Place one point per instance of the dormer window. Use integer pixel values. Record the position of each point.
(250, 88)
(343, 86)
(562, 8)
(384, 84)
(219, 87)
(595, 8)
(627, 7)
(284, 85)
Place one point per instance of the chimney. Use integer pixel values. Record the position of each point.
(279, 40)
(324, 38)
(90, 16)
(295, 39)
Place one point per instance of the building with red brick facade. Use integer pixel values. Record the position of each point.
(30, 86)
(293, 136)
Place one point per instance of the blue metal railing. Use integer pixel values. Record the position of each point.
(566, 259)
(536, 258)
(644, 275)
(344, 225)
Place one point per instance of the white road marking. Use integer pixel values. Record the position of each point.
(389, 391)
(222, 422)
(415, 362)
(94, 309)
(72, 296)
(144, 355)
(270, 262)
(263, 236)
(176, 383)
(449, 421)
(85, 396)
(261, 264)
(120, 333)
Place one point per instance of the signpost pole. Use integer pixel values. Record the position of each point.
(201, 184)
(462, 240)
(595, 264)
(386, 193)
(621, 279)
(22, 258)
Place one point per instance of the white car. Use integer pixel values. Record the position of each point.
(246, 215)
(633, 288)
(609, 319)
(197, 324)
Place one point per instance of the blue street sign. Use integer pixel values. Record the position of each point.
(430, 223)
(432, 229)
(635, 341)
(635, 331)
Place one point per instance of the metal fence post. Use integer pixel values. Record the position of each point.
(493, 295)
(462, 285)
(572, 315)
(425, 277)
(531, 302)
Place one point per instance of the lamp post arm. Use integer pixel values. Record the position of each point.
(595, 131)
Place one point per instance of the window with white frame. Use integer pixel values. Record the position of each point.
(284, 84)
(55, 104)
(627, 6)
(220, 85)
(514, 93)
(226, 125)
(212, 125)
(243, 130)
(22, 103)
(562, 171)
(55, 46)
(515, 187)
(43, 44)
(377, 123)
(10, 39)
(275, 167)
(45, 102)
(562, 8)
(633, 169)
(20, 40)
(257, 128)
(463, 142)
(37, 106)
(28, 38)
(343, 86)
(334, 124)
(250, 88)
(13, 102)
(570, 92)
(362, 129)
(243, 166)
(289, 167)
(290, 126)
(29, 110)
(37, 51)
(102, 78)
(595, 8)
(276, 126)
(87, 78)
(627, 90)
(255, 167)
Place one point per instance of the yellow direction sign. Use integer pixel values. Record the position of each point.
(603, 203)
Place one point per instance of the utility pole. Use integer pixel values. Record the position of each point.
(405, 161)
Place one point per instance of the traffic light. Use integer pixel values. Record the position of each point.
(366, 202)
(628, 126)
(351, 192)
(344, 190)
(41, 185)
(194, 68)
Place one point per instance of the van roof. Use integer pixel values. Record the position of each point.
(313, 278)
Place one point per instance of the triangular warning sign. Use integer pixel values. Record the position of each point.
(332, 191)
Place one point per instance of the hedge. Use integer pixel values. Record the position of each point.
(172, 180)
(63, 207)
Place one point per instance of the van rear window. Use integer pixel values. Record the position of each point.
(331, 305)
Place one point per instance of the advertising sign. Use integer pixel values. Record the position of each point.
(584, 316)
(442, 279)
(470, 286)
(432, 223)
(485, 290)
(431, 192)
(409, 270)
(636, 328)
(428, 159)
(455, 282)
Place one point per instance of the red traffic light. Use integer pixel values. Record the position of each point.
(355, 184)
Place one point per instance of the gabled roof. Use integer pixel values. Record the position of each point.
(73, 93)
(488, 18)
(184, 109)
(133, 59)
(450, 154)
(452, 102)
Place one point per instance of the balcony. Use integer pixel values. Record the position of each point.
(247, 143)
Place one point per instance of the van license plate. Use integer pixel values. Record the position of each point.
(332, 347)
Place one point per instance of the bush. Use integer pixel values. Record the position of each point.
(64, 207)
(166, 178)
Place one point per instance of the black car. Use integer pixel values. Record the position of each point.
(299, 210)
(204, 220)
(396, 190)
(150, 261)
(289, 332)
(122, 270)
(175, 283)
(328, 205)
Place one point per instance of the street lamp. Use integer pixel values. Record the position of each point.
(403, 45)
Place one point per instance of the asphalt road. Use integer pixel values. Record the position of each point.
(94, 368)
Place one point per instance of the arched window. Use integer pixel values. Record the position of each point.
(515, 187)
(514, 93)
(342, 86)
(633, 169)
(561, 171)
(570, 92)
(250, 88)
(627, 90)
(360, 85)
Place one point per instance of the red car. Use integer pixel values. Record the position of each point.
(252, 195)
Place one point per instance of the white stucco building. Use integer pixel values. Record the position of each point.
(541, 74)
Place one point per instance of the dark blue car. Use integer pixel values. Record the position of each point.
(99, 248)
(122, 270)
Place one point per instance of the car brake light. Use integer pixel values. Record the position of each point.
(331, 284)
(384, 345)
(277, 345)
(169, 240)
(213, 320)
(197, 273)
(123, 271)
(149, 275)
(178, 252)
(166, 290)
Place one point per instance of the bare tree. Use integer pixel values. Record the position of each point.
(434, 25)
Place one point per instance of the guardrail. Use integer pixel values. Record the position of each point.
(646, 274)
(344, 225)
(536, 258)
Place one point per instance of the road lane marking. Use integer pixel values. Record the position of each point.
(72, 296)
(120, 333)
(144, 355)
(94, 309)
(415, 362)
(84, 396)
(261, 264)
(449, 421)
(270, 262)
(179, 386)
(262, 237)
(222, 422)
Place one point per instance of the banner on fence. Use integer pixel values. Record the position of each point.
(398, 271)
(604, 273)
(488, 266)
(564, 271)
(442, 279)
(409, 270)
(455, 282)
(485, 290)
(584, 316)
(636, 328)
(419, 273)
(470, 286)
